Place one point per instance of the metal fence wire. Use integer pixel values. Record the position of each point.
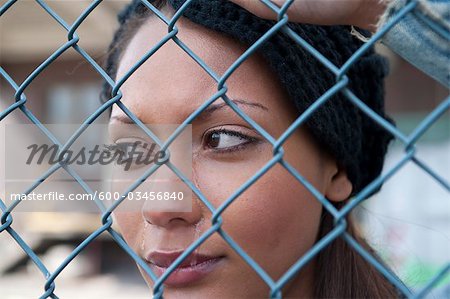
(342, 81)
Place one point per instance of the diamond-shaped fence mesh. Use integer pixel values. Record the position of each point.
(341, 86)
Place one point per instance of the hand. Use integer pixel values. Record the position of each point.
(361, 13)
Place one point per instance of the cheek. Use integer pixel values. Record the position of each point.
(276, 217)
(275, 220)
(131, 226)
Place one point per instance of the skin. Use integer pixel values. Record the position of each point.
(276, 220)
(361, 13)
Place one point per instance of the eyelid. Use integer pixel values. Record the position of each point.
(248, 139)
(231, 133)
(143, 146)
(129, 139)
(232, 129)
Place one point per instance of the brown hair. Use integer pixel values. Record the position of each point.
(340, 272)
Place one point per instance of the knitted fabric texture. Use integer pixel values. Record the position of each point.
(358, 143)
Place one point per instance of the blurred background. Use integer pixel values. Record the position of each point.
(408, 221)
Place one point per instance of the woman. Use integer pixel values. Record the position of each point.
(277, 219)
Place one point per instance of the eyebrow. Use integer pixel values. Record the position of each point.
(206, 113)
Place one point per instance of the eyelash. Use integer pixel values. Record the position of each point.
(115, 148)
(249, 140)
(118, 148)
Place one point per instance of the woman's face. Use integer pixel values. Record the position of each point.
(276, 220)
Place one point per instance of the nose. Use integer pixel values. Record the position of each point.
(168, 219)
(166, 180)
(186, 212)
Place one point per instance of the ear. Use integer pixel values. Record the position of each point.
(339, 186)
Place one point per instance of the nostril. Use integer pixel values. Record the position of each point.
(171, 215)
(178, 220)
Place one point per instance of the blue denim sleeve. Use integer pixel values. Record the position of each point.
(422, 37)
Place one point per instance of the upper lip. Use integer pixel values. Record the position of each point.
(165, 259)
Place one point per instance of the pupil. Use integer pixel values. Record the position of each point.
(214, 140)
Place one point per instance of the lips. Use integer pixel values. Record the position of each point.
(193, 269)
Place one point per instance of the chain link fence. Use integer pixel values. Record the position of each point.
(340, 86)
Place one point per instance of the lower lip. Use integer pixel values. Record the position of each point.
(188, 275)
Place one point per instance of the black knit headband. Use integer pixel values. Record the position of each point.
(357, 142)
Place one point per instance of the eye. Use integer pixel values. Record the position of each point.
(224, 140)
(132, 152)
(122, 149)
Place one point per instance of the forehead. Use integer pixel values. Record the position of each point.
(171, 76)
(217, 50)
